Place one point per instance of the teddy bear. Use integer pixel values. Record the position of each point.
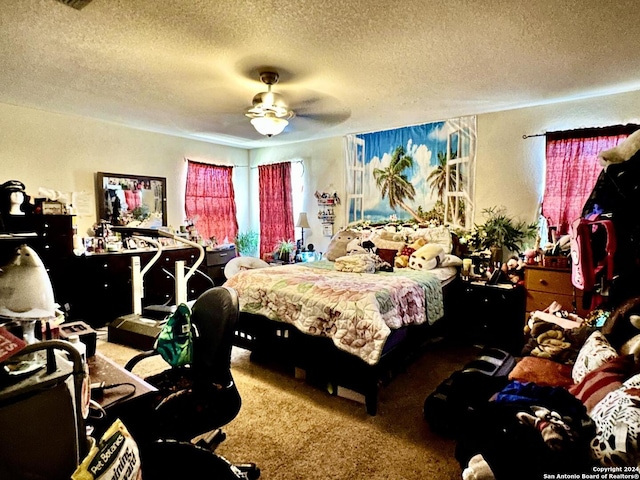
(402, 260)
(427, 257)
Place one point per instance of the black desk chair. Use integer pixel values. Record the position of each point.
(195, 400)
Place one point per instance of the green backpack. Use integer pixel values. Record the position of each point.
(175, 342)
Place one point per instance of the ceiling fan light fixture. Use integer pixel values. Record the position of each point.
(269, 113)
(269, 125)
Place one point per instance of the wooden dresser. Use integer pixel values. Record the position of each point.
(546, 284)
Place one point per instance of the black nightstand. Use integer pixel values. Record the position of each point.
(493, 315)
(216, 260)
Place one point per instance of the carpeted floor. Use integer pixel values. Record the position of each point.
(294, 430)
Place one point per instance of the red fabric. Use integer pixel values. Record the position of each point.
(572, 171)
(210, 200)
(276, 205)
(132, 197)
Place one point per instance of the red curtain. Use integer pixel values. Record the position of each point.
(210, 201)
(572, 171)
(276, 205)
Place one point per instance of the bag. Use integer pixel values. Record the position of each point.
(175, 342)
(450, 405)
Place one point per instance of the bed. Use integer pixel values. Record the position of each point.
(343, 330)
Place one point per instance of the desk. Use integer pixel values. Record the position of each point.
(103, 369)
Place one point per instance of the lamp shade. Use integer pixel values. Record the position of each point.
(25, 288)
(269, 125)
(303, 222)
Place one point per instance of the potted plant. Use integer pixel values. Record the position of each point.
(284, 249)
(500, 232)
(247, 243)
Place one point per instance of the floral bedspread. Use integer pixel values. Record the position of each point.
(356, 310)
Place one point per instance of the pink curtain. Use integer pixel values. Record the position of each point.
(276, 205)
(210, 200)
(572, 171)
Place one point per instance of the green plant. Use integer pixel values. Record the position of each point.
(284, 249)
(247, 243)
(501, 231)
(285, 246)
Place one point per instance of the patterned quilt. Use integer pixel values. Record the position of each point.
(356, 310)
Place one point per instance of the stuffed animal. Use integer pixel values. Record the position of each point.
(427, 257)
(402, 260)
(478, 469)
(552, 426)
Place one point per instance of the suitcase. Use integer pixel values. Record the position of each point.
(456, 398)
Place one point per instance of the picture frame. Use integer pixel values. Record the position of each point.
(52, 208)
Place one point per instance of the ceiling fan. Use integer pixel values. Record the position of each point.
(269, 112)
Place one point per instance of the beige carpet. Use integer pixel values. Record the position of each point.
(294, 430)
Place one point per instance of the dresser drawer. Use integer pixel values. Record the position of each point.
(547, 280)
(220, 257)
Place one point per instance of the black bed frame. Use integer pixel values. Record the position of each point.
(273, 341)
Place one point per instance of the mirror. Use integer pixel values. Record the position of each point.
(125, 198)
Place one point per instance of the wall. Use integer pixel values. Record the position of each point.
(64, 153)
(509, 169)
(323, 162)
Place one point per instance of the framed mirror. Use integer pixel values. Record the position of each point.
(123, 198)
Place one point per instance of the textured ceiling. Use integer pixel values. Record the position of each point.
(190, 68)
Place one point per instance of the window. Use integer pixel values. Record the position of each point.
(276, 205)
(210, 201)
(572, 169)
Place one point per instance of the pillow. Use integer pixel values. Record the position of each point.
(427, 258)
(440, 235)
(595, 352)
(238, 264)
(604, 379)
(617, 421)
(381, 242)
(542, 372)
(338, 246)
(387, 255)
(451, 260)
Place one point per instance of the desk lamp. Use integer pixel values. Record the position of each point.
(26, 294)
(303, 223)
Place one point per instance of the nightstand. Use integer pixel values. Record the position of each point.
(216, 260)
(493, 315)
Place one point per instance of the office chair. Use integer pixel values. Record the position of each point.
(195, 400)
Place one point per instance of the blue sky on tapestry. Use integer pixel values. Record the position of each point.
(422, 143)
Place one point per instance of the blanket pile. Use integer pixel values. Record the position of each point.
(359, 263)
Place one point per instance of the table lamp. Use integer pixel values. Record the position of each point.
(26, 294)
(302, 223)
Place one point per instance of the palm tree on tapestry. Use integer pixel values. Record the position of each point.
(438, 182)
(394, 184)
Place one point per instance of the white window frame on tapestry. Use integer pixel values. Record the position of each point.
(461, 143)
(354, 152)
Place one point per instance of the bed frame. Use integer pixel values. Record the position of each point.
(323, 363)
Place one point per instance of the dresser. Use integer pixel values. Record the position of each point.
(546, 284)
(103, 288)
